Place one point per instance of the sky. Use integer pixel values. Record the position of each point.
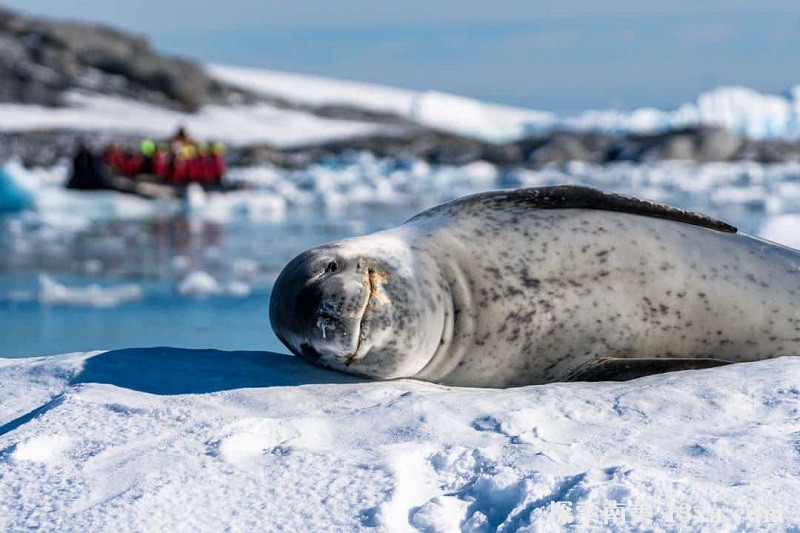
(564, 56)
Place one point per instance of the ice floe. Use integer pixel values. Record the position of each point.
(175, 439)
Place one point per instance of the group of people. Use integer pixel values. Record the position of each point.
(177, 162)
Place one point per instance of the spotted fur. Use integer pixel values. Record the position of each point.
(496, 290)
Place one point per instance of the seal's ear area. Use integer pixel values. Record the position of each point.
(619, 369)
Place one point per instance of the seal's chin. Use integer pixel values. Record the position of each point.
(372, 278)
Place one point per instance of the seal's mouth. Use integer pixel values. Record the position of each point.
(371, 279)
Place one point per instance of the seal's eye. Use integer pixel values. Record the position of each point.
(331, 267)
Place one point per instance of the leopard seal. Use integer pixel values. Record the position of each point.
(530, 286)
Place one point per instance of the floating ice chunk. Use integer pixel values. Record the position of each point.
(14, 195)
(257, 206)
(54, 293)
(239, 288)
(199, 284)
(195, 198)
(245, 268)
(480, 172)
(181, 263)
(93, 266)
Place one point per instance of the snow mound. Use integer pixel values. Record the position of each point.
(467, 116)
(435, 109)
(743, 110)
(53, 293)
(755, 115)
(172, 439)
(739, 109)
(237, 125)
(314, 90)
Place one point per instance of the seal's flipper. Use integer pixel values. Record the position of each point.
(619, 369)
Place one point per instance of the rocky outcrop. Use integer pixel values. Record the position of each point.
(701, 144)
(401, 142)
(40, 59)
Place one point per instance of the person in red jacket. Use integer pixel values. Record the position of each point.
(133, 164)
(194, 169)
(206, 160)
(113, 157)
(180, 169)
(161, 162)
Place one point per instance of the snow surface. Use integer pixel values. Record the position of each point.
(242, 124)
(316, 91)
(436, 109)
(740, 109)
(186, 440)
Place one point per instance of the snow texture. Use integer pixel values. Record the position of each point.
(740, 109)
(244, 124)
(186, 440)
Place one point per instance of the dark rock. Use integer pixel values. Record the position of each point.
(343, 112)
(40, 59)
(702, 144)
(560, 148)
(772, 151)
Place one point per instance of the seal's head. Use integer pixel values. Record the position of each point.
(366, 306)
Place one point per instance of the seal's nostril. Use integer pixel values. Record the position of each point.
(326, 314)
(332, 267)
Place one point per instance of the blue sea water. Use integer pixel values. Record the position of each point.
(76, 278)
(31, 328)
(156, 257)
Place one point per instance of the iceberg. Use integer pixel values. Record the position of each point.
(14, 196)
(54, 293)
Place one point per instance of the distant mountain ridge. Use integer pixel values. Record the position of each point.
(110, 85)
(40, 59)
